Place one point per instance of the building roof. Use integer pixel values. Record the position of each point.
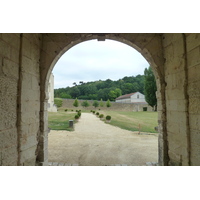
(126, 96)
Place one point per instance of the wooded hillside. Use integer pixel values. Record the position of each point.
(104, 90)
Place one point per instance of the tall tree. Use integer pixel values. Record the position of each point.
(150, 88)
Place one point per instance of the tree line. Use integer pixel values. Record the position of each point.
(110, 90)
(97, 90)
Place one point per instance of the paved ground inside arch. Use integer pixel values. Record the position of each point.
(95, 143)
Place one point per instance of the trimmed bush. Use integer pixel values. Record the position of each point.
(101, 116)
(76, 117)
(97, 113)
(93, 112)
(108, 117)
(66, 110)
(79, 113)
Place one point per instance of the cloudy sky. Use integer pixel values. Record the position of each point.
(93, 60)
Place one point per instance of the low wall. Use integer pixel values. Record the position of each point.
(68, 104)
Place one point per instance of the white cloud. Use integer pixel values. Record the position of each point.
(93, 60)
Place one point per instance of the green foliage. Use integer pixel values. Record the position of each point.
(113, 94)
(108, 117)
(101, 103)
(108, 104)
(97, 113)
(59, 120)
(101, 116)
(131, 120)
(93, 112)
(76, 116)
(66, 110)
(104, 90)
(85, 103)
(58, 102)
(95, 104)
(76, 103)
(150, 88)
(65, 96)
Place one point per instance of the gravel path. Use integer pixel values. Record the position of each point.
(95, 143)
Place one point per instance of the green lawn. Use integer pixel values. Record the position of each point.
(125, 120)
(60, 120)
(132, 120)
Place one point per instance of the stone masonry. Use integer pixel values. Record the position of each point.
(27, 60)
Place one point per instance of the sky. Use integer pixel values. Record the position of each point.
(97, 60)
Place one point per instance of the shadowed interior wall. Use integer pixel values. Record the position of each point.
(26, 61)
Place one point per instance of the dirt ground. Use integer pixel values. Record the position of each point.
(95, 143)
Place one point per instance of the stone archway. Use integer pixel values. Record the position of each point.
(55, 45)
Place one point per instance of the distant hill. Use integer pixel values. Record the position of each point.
(104, 90)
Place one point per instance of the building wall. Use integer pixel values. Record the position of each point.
(137, 97)
(26, 61)
(51, 106)
(68, 104)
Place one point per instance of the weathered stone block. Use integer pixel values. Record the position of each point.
(193, 41)
(194, 73)
(169, 38)
(195, 154)
(194, 106)
(10, 68)
(9, 155)
(194, 57)
(194, 89)
(12, 38)
(194, 121)
(195, 136)
(9, 138)
(28, 141)
(14, 55)
(4, 49)
(28, 154)
(26, 48)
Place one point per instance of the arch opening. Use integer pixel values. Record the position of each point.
(144, 51)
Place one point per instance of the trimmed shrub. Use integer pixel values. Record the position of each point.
(108, 117)
(66, 110)
(97, 113)
(76, 117)
(79, 113)
(93, 112)
(101, 116)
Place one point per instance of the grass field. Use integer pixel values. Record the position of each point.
(145, 121)
(60, 120)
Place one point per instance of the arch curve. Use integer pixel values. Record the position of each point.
(149, 45)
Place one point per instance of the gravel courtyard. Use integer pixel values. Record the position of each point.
(94, 143)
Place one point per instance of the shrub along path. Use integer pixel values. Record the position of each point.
(95, 143)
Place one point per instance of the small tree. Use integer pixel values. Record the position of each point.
(85, 104)
(150, 88)
(101, 103)
(58, 102)
(95, 104)
(108, 104)
(76, 103)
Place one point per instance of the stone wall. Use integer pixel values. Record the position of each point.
(26, 62)
(68, 103)
(19, 98)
